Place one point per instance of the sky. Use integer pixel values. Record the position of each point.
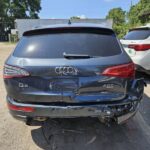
(86, 8)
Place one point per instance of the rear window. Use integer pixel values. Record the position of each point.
(54, 45)
(137, 35)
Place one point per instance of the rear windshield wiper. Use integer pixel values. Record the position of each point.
(76, 56)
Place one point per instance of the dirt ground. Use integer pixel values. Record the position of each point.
(72, 134)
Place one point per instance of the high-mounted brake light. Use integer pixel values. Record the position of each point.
(20, 108)
(140, 47)
(14, 72)
(122, 71)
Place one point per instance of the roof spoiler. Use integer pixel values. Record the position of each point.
(67, 30)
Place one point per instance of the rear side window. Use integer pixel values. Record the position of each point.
(54, 45)
(137, 35)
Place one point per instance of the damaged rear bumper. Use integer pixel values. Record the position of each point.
(120, 112)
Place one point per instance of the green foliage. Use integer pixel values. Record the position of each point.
(13, 38)
(75, 17)
(24, 8)
(17, 9)
(3, 7)
(138, 14)
(120, 30)
(133, 16)
(118, 16)
(20, 8)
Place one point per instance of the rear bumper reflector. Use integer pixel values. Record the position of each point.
(20, 108)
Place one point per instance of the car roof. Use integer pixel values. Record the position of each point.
(65, 26)
(142, 27)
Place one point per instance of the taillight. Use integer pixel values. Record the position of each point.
(122, 71)
(20, 108)
(14, 72)
(140, 47)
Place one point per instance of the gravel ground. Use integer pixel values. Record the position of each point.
(72, 134)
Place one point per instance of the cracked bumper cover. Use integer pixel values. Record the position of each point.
(121, 111)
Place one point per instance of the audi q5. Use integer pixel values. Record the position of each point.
(69, 71)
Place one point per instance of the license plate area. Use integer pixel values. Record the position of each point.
(64, 85)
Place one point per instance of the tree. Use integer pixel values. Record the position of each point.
(17, 9)
(139, 14)
(2, 10)
(75, 17)
(78, 17)
(118, 16)
(4, 27)
(24, 8)
(119, 22)
(20, 9)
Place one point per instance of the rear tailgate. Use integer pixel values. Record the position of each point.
(84, 84)
(54, 78)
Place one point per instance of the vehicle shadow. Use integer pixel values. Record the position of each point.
(90, 134)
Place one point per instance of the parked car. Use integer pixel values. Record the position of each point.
(74, 70)
(137, 45)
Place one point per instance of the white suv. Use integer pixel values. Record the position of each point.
(137, 44)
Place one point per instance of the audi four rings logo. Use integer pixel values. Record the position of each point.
(66, 70)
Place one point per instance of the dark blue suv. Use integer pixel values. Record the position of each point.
(74, 70)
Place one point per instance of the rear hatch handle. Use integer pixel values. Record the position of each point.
(76, 56)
